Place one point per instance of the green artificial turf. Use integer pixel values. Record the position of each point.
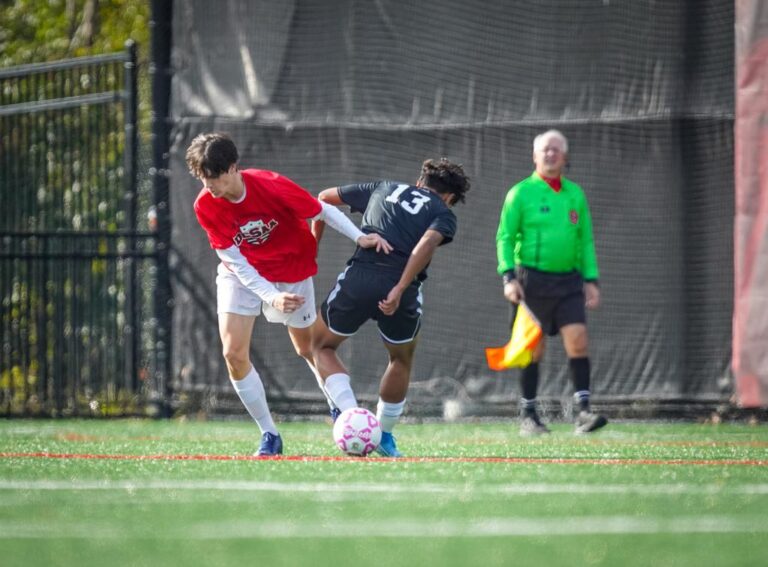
(134, 492)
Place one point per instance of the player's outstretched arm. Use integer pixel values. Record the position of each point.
(419, 259)
(258, 284)
(330, 196)
(329, 214)
(247, 274)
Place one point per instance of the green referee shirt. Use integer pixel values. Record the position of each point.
(546, 230)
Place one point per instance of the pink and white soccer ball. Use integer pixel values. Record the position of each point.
(357, 432)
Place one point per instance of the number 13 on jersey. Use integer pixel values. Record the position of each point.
(413, 201)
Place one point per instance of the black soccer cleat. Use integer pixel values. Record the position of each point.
(531, 426)
(587, 422)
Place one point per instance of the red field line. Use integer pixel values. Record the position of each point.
(299, 458)
(80, 437)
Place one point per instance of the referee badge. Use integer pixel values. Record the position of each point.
(574, 216)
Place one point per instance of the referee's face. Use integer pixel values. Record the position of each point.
(550, 157)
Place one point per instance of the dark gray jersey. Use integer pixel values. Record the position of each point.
(401, 213)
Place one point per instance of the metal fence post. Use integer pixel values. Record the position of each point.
(129, 180)
(161, 88)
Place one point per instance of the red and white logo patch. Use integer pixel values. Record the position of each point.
(255, 232)
(574, 217)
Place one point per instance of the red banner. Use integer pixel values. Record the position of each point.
(750, 315)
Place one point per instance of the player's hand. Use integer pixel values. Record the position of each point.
(373, 239)
(513, 291)
(390, 304)
(592, 295)
(287, 302)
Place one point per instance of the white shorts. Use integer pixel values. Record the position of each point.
(233, 297)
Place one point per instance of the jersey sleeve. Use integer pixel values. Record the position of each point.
(445, 224)
(589, 270)
(506, 234)
(358, 195)
(218, 237)
(295, 198)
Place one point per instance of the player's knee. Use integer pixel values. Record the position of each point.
(305, 351)
(401, 360)
(575, 340)
(579, 347)
(324, 353)
(235, 356)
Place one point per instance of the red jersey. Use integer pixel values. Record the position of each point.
(269, 225)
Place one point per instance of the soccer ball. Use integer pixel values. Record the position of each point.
(357, 432)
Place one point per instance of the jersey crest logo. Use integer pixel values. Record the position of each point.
(574, 217)
(255, 232)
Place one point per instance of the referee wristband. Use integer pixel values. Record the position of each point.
(508, 276)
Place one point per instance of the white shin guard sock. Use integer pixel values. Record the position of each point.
(389, 414)
(320, 383)
(251, 392)
(339, 390)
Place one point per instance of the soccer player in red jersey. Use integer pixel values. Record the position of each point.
(256, 221)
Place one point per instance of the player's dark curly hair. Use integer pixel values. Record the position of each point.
(445, 177)
(210, 155)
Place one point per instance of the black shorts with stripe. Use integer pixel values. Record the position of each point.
(355, 299)
(555, 299)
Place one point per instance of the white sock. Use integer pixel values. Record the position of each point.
(389, 414)
(320, 384)
(251, 392)
(339, 390)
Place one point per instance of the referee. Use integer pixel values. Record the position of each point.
(546, 255)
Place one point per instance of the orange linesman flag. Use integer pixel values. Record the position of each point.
(518, 352)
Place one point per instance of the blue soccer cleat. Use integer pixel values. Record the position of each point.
(388, 446)
(271, 445)
(335, 413)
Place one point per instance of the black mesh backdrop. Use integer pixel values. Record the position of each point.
(355, 91)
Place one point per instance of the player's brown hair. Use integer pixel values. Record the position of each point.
(210, 155)
(444, 177)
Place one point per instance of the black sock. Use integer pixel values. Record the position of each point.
(580, 371)
(529, 385)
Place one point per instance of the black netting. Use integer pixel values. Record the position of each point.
(357, 91)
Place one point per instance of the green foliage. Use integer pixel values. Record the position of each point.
(64, 299)
(35, 31)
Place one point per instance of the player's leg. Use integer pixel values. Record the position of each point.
(393, 389)
(572, 316)
(300, 329)
(302, 343)
(342, 313)
(235, 331)
(335, 375)
(400, 334)
(530, 422)
(237, 310)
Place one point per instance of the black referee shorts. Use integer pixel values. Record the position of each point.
(355, 299)
(555, 299)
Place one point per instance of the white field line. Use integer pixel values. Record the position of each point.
(472, 528)
(381, 488)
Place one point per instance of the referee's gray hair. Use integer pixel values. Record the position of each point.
(538, 140)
